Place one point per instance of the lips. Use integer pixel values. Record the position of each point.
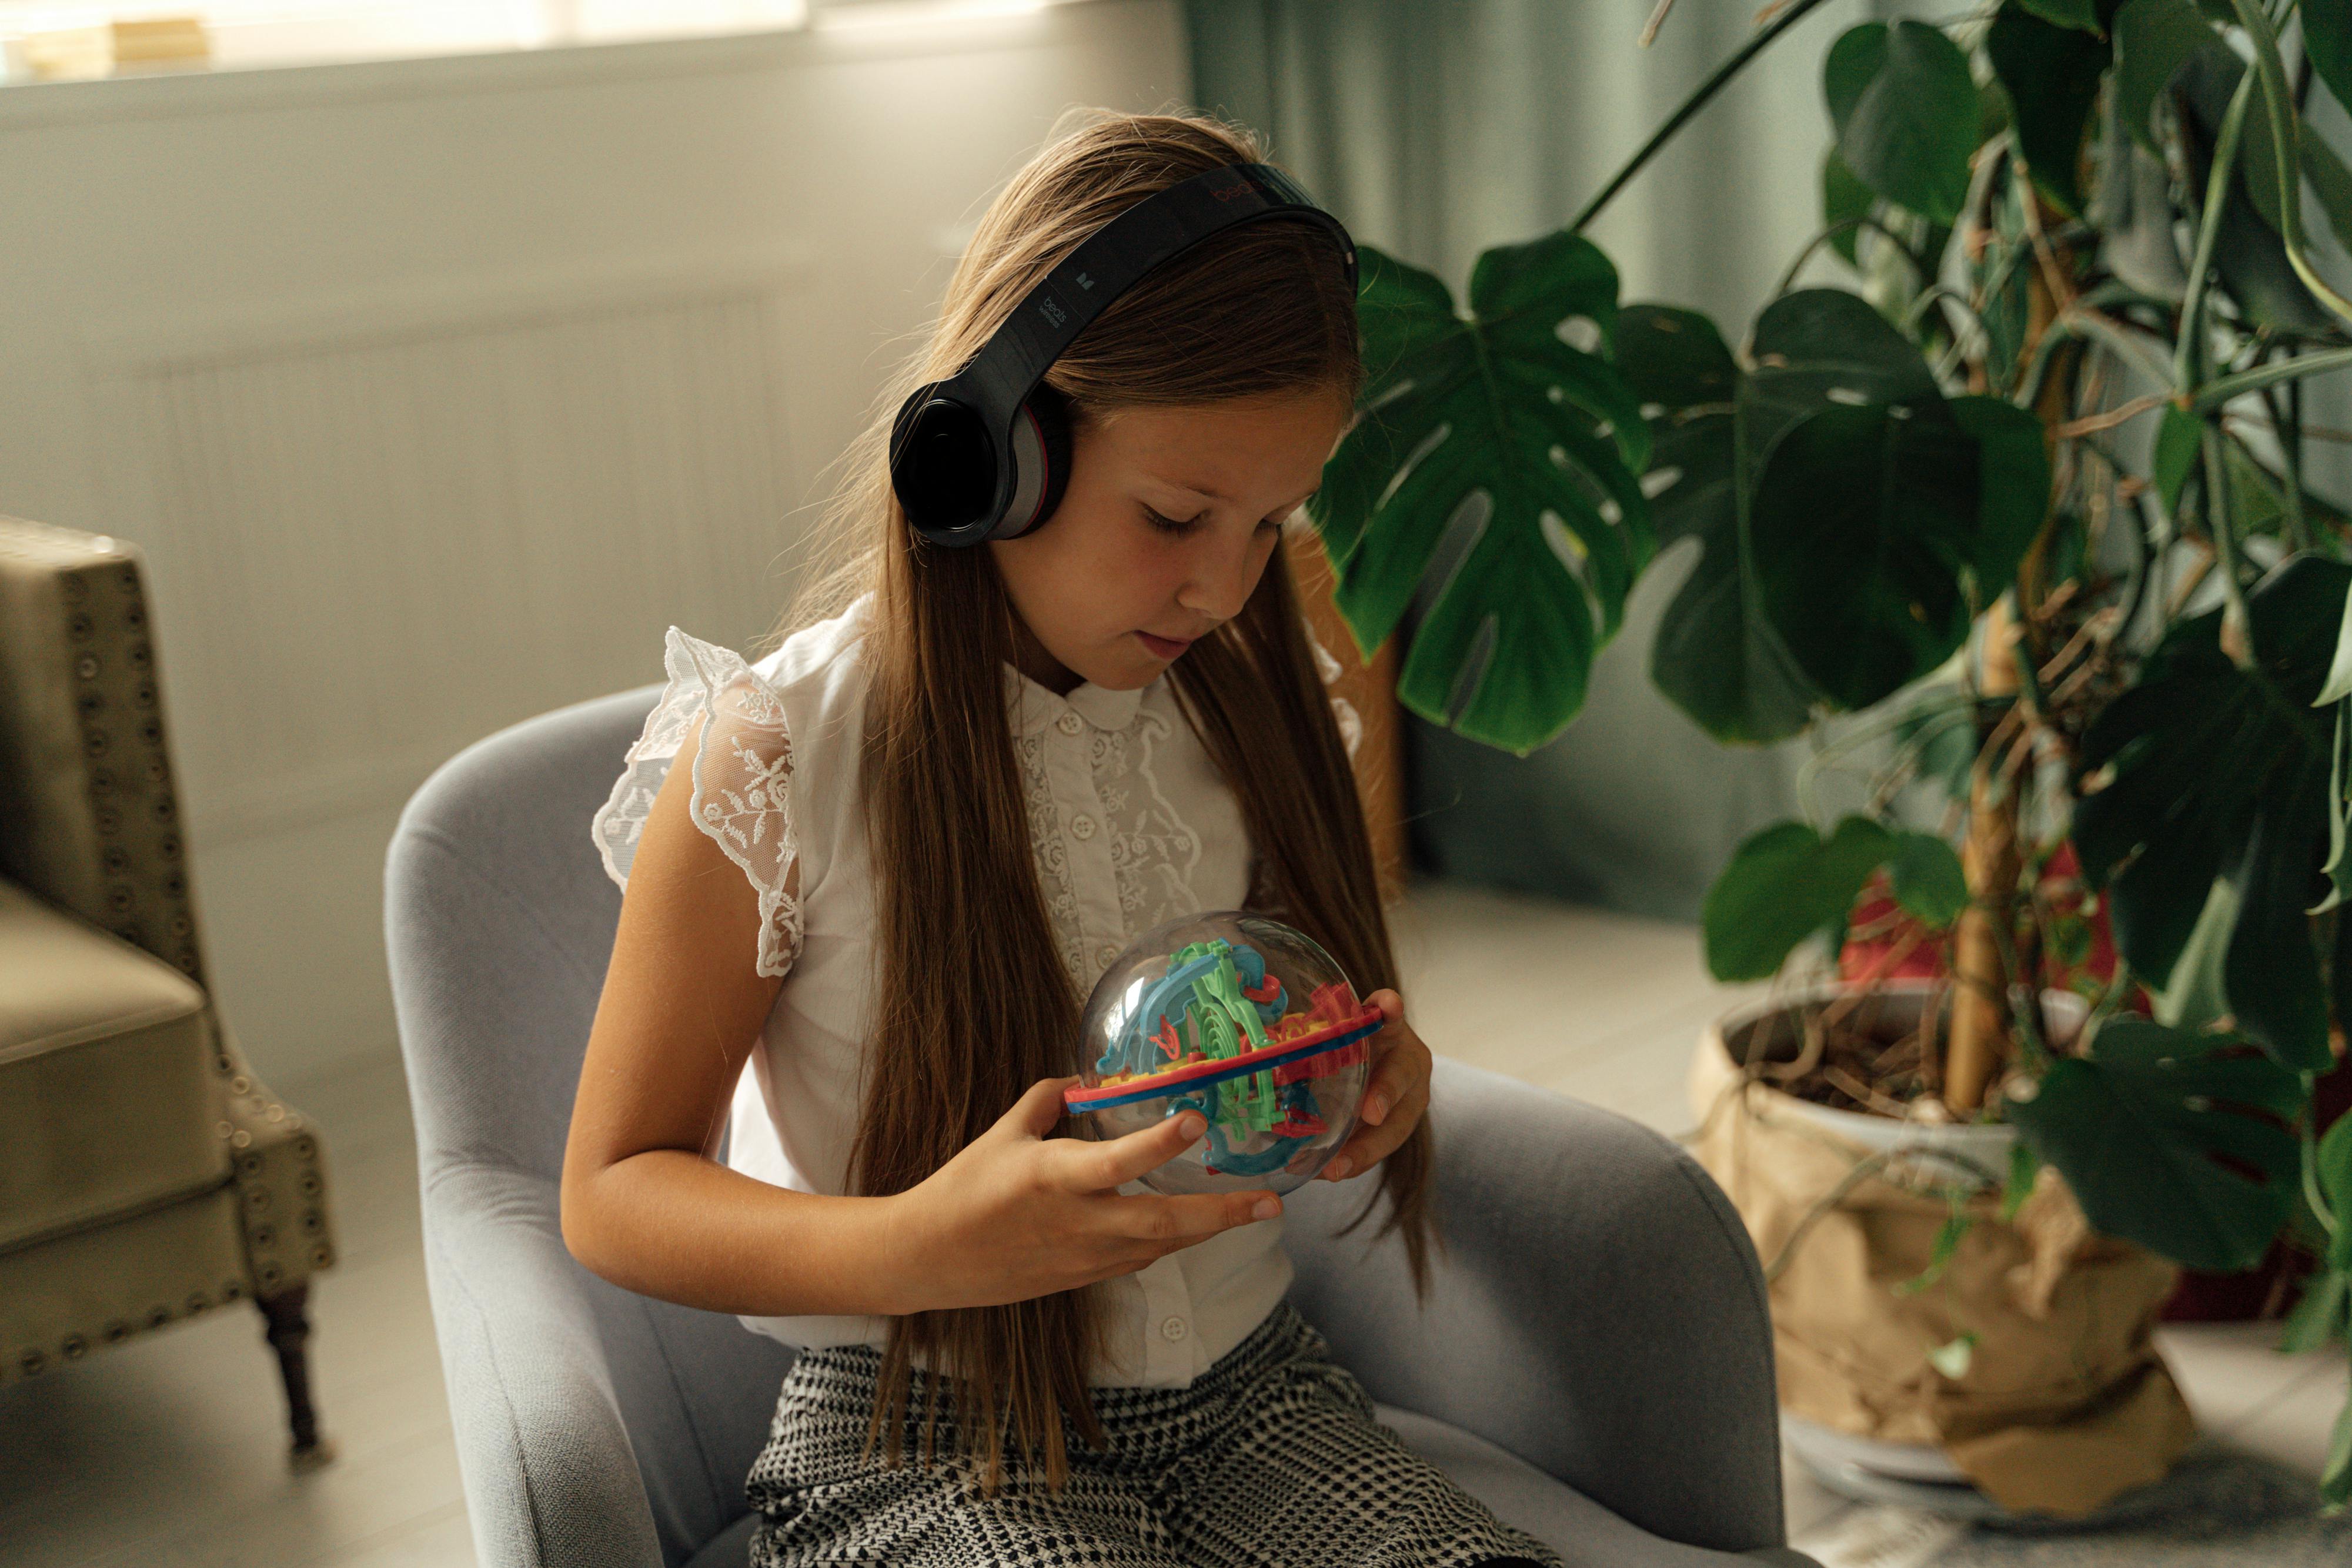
(1166, 647)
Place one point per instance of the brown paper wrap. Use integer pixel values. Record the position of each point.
(2065, 1402)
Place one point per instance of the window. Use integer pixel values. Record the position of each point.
(44, 40)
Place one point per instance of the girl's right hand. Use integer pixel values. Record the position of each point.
(1017, 1215)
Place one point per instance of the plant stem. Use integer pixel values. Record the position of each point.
(2309, 1139)
(2237, 631)
(2286, 430)
(1862, 1171)
(1991, 864)
(2189, 355)
(1805, 252)
(2079, 321)
(1698, 101)
(1982, 963)
(2221, 389)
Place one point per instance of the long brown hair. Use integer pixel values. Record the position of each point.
(1261, 308)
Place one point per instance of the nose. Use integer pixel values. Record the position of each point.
(1218, 577)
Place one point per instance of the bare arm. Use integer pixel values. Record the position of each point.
(1014, 1215)
(643, 1204)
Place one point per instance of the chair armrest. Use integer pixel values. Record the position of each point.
(551, 1479)
(1597, 1310)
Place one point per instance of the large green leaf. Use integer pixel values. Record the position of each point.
(2179, 439)
(1876, 526)
(2192, 996)
(1784, 883)
(1825, 345)
(1925, 878)
(2052, 74)
(2327, 39)
(2172, 1140)
(2221, 771)
(2154, 38)
(2013, 494)
(2318, 1318)
(2258, 158)
(1714, 656)
(1501, 405)
(2247, 251)
(1862, 516)
(2271, 972)
(1851, 64)
(2326, 1309)
(2331, 180)
(1675, 360)
(2339, 830)
(1906, 110)
(2337, 686)
(2080, 14)
(1886, 497)
(2335, 1469)
(1844, 196)
(2333, 1167)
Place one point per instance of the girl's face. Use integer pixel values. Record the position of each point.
(1162, 532)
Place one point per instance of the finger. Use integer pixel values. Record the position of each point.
(1174, 1222)
(1039, 1110)
(1369, 1146)
(1093, 1166)
(1401, 1069)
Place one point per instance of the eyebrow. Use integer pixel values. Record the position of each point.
(1219, 495)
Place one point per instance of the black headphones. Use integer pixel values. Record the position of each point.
(985, 454)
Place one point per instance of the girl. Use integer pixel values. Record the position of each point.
(910, 838)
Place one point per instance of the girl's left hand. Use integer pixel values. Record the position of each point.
(1393, 1100)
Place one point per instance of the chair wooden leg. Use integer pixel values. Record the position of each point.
(289, 1328)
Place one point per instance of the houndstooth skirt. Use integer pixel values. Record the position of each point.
(1271, 1458)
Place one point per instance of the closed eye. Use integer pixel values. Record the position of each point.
(1170, 524)
(1177, 530)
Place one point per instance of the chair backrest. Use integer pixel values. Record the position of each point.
(499, 923)
(90, 814)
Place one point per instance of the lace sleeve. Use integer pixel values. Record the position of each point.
(1351, 726)
(742, 765)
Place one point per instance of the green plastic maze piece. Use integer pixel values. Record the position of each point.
(1222, 1017)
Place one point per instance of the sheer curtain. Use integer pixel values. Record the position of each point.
(1437, 127)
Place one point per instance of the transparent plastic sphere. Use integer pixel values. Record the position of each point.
(1242, 1019)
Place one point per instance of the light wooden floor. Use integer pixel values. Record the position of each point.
(166, 1453)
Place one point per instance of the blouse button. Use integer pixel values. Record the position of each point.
(1107, 953)
(1068, 724)
(1083, 827)
(1173, 1328)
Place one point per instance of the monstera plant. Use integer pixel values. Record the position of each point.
(2019, 523)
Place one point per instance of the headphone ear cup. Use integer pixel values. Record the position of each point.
(943, 466)
(1049, 414)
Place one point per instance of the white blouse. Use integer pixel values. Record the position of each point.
(1131, 826)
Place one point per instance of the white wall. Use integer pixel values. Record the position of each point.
(435, 388)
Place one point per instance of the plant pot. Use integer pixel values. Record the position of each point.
(2061, 1402)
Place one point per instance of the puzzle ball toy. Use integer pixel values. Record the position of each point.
(1239, 1017)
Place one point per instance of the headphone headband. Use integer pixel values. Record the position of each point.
(971, 458)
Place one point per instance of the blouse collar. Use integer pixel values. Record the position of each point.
(1034, 707)
(1037, 706)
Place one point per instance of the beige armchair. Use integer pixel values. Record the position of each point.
(146, 1175)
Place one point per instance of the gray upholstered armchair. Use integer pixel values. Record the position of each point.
(1595, 1361)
